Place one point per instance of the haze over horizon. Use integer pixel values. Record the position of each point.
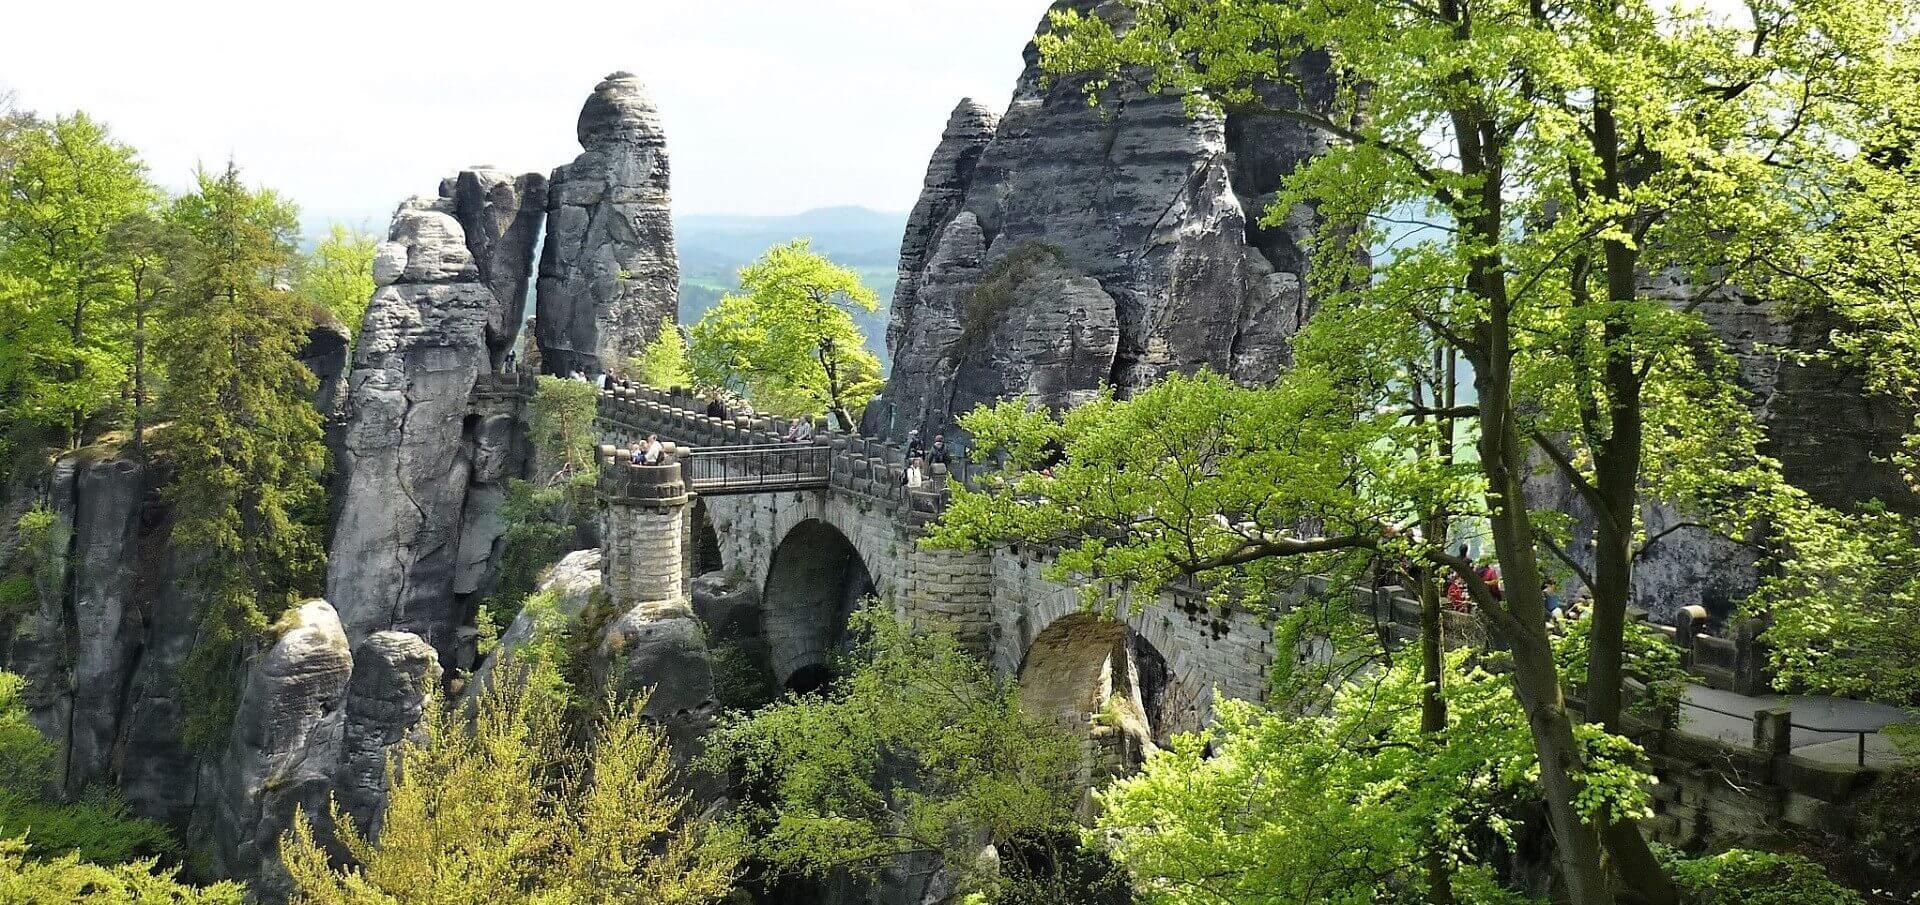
(769, 109)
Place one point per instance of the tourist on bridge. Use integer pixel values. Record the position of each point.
(654, 451)
(915, 448)
(915, 476)
(938, 456)
(801, 430)
(717, 408)
(639, 456)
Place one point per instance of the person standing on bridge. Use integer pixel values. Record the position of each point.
(915, 475)
(915, 448)
(717, 409)
(654, 451)
(938, 455)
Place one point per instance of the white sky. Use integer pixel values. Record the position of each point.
(349, 106)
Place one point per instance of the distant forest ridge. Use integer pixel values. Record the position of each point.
(713, 248)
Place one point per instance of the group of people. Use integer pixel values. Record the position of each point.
(648, 453)
(920, 456)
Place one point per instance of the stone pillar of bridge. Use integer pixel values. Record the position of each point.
(642, 545)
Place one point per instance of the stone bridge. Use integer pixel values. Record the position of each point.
(849, 529)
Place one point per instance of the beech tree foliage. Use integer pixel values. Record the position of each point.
(1561, 152)
(338, 275)
(917, 750)
(664, 363)
(63, 347)
(788, 339)
(1331, 806)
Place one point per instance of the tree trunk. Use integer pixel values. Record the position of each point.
(1521, 616)
(1433, 702)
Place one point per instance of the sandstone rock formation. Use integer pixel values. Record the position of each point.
(425, 458)
(286, 740)
(95, 643)
(608, 272)
(502, 215)
(660, 648)
(1061, 247)
(396, 675)
(325, 354)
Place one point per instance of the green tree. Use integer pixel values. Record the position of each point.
(338, 275)
(788, 340)
(916, 750)
(1332, 805)
(28, 881)
(244, 439)
(546, 515)
(62, 356)
(511, 808)
(663, 363)
(1560, 151)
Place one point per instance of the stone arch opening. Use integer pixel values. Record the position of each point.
(814, 584)
(1104, 684)
(703, 541)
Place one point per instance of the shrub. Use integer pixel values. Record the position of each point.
(1744, 877)
(25, 881)
(98, 829)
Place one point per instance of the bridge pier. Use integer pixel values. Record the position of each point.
(643, 544)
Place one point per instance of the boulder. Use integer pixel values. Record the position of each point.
(286, 742)
(660, 648)
(575, 579)
(395, 678)
(608, 271)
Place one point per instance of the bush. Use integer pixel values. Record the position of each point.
(98, 829)
(24, 881)
(1743, 877)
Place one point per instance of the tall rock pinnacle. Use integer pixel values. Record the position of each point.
(609, 272)
(1061, 248)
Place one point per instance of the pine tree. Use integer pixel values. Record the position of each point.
(244, 439)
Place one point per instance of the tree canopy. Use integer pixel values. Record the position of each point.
(788, 339)
(244, 438)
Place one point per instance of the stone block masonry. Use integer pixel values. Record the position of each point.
(995, 602)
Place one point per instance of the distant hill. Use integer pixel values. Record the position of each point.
(713, 248)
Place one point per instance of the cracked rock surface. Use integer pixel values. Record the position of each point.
(1148, 219)
(608, 271)
(424, 461)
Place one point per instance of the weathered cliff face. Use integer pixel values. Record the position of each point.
(1831, 437)
(608, 271)
(1060, 248)
(425, 459)
(501, 214)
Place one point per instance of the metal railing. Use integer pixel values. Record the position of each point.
(1787, 743)
(760, 468)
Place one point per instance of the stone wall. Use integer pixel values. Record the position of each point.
(996, 603)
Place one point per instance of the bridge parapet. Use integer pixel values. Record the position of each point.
(504, 386)
(863, 467)
(624, 483)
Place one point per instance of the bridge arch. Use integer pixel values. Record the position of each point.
(1102, 682)
(815, 581)
(702, 540)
